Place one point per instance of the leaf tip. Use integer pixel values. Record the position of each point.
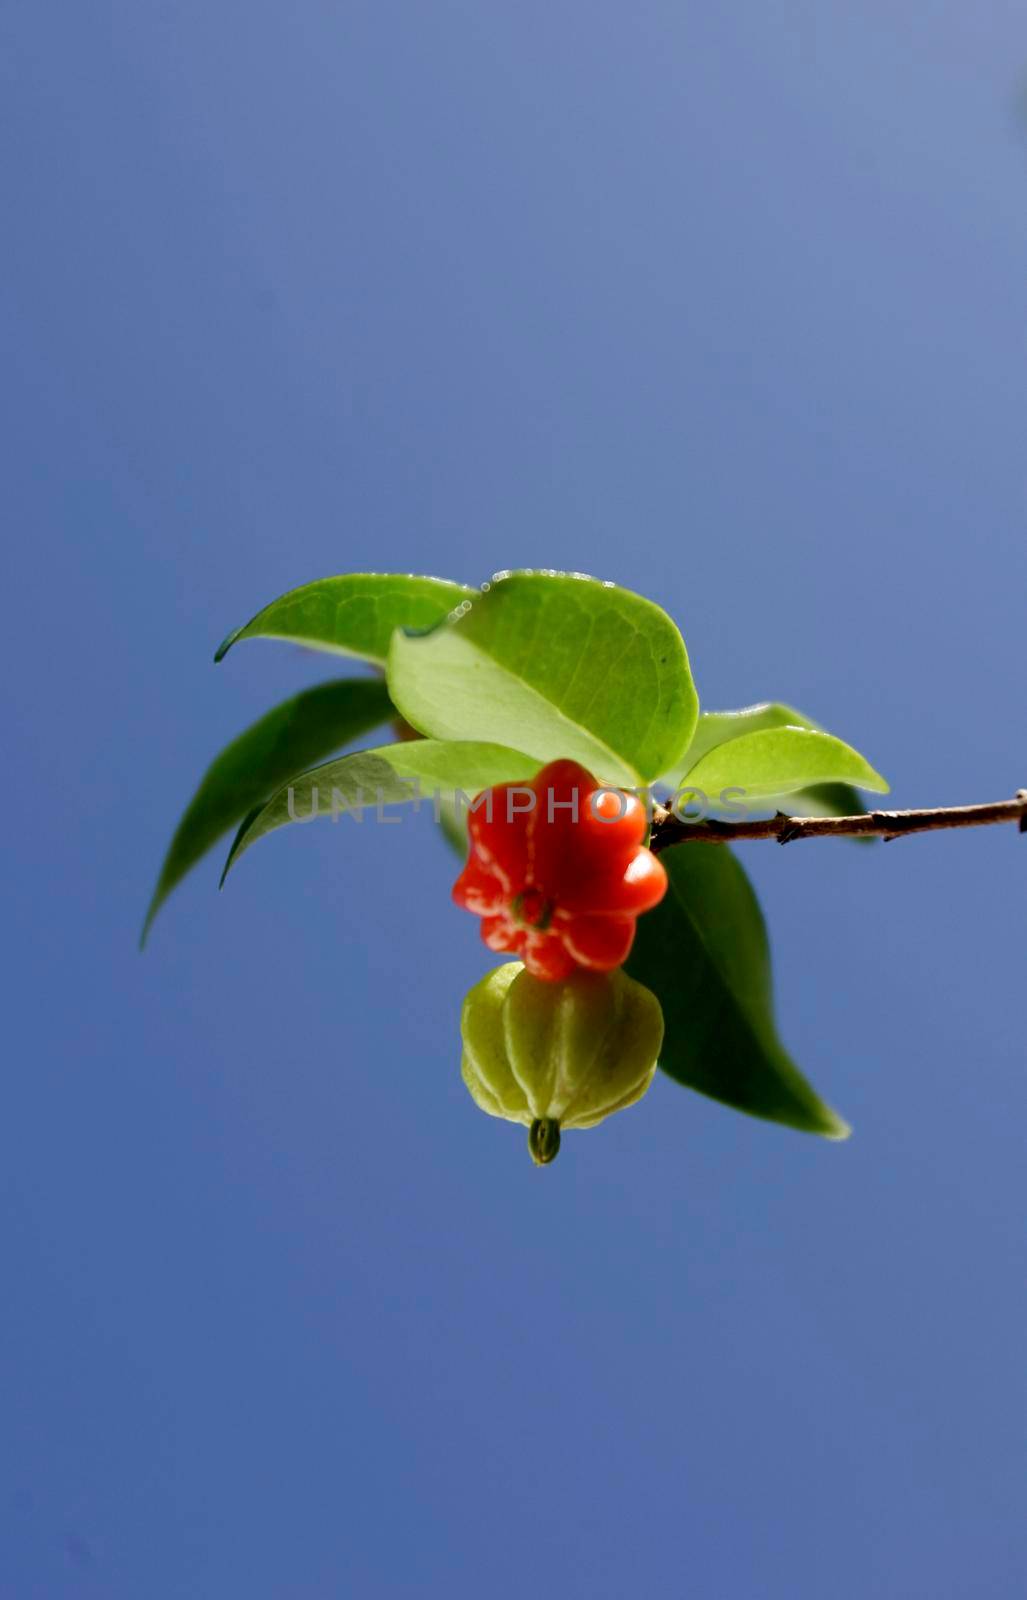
(226, 644)
(237, 843)
(157, 899)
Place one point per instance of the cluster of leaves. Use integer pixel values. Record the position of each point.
(498, 681)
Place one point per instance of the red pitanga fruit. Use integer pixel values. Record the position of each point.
(558, 872)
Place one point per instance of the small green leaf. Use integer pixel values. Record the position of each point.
(352, 615)
(410, 773)
(703, 952)
(718, 727)
(778, 761)
(557, 664)
(285, 741)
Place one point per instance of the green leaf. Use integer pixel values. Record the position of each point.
(410, 773)
(703, 952)
(828, 800)
(285, 741)
(718, 727)
(352, 615)
(556, 664)
(778, 761)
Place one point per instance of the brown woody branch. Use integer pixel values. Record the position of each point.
(670, 829)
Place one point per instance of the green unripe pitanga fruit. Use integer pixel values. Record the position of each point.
(558, 1055)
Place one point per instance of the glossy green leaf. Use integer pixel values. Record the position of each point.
(778, 761)
(285, 741)
(556, 664)
(352, 615)
(718, 727)
(407, 773)
(818, 800)
(703, 952)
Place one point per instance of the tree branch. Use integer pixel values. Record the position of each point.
(669, 829)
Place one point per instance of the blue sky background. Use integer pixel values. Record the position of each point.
(726, 303)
